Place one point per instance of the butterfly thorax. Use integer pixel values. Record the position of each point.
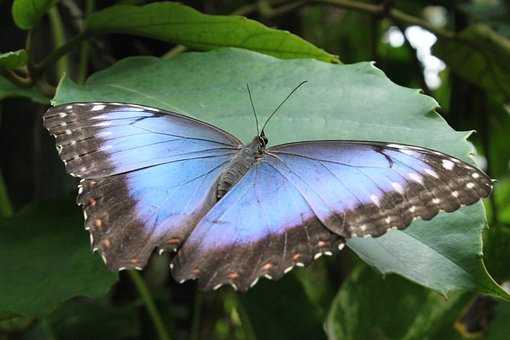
(240, 164)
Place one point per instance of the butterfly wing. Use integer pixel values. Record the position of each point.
(147, 175)
(302, 199)
(262, 227)
(366, 188)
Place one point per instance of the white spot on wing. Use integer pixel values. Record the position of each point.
(374, 199)
(432, 173)
(447, 164)
(397, 187)
(475, 175)
(97, 107)
(102, 124)
(415, 177)
(409, 152)
(470, 185)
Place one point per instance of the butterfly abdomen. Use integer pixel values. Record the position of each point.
(238, 167)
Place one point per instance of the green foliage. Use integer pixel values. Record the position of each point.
(46, 259)
(28, 13)
(333, 105)
(8, 90)
(47, 265)
(78, 319)
(180, 24)
(12, 60)
(479, 55)
(373, 307)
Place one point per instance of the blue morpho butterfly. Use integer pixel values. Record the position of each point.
(233, 213)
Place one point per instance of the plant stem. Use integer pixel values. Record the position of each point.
(85, 46)
(393, 14)
(174, 52)
(195, 322)
(149, 304)
(60, 52)
(249, 332)
(16, 79)
(59, 38)
(5, 202)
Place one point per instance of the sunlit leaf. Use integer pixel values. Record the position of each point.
(14, 59)
(180, 24)
(27, 13)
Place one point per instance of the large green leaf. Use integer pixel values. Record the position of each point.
(27, 13)
(14, 59)
(46, 259)
(180, 24)
(339, 102)
(480, 56)
(8, 89)
(371, 307)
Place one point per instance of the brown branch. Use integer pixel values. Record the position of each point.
(381, 10)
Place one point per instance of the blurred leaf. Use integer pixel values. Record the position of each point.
(8, 89)
(79, 319)
(274, 317)
(499, 328)
(479, 55)
(46, 259)
(497, 250)
(372, 307)
(14, 59)
(11, 323)
(27, 13)
(502, 200)
(353, 102)
(180, 24)
(5, 203)
(495, 14)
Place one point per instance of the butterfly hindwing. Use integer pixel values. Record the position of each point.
(147, 175)
(261, 227)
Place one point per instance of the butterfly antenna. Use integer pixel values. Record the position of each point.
(253, 107)
(278, 107)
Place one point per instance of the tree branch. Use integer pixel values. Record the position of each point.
(60, 52)
(395, 15)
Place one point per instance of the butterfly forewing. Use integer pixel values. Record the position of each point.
(366, 188)
(147, 175)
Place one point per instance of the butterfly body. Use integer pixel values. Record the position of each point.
(241, 162)
(154, 179)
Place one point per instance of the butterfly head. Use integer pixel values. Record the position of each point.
(262, 139)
